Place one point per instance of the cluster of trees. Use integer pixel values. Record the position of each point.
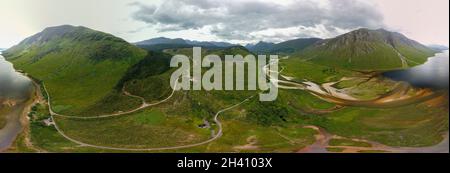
(267, 113)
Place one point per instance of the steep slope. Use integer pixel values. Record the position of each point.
(150, 77)
(284, 48)
(366, 49)
(79, 66)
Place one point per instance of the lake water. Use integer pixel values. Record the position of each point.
(15, 90)
(433, 74)
(13, 85)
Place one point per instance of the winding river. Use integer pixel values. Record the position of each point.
(15, 91)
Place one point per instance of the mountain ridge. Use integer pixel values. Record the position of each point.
(286, 48)
(180, 41)
(366, 49)
(72, 58)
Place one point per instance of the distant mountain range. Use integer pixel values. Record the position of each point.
(161, 43)
(362, 49)
(438, 47)
(286, 48)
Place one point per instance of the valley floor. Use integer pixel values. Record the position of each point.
(327, 116)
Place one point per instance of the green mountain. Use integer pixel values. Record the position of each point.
(79, 66)
(284, 48)
(366, 49)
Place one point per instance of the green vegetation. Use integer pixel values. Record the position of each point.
(151, 117)
(3, 111)
(335, 150)
(242, 136)
(80, 67)
(367, 89)
(86, 77)
(135, 131)
(43, 136)
(149, 78)
(267, 113)
(413, 125)
(114, 102)
(348, 142)
(300, 69)
(367, 50)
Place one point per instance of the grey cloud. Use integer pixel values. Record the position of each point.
(236, 20)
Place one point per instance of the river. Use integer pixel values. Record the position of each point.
(15, 91)
(433, 74)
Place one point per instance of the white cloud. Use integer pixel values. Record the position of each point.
(254, 19)
(236, 21)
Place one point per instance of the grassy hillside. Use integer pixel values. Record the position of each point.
(84, 80)
(368, 50)
(79, 66)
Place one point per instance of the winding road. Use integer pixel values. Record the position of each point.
(144, 105)
(310, 87)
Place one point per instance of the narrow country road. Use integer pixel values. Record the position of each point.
(145, 105)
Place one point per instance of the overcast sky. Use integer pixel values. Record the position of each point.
(237, 21)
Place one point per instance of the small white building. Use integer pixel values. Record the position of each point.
(48, 122)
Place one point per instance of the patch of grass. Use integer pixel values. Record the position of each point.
(150, 117)
(145, 129)
(3, 111)
(372, 151)
(113, 102)
(289, 138)
(300, 69)
(303, 100)
(348, 142)
(372, 89)
(413, 125)
(335, 149)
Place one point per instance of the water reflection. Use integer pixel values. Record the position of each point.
(13, 85)
(433, 74)
(15, 90)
